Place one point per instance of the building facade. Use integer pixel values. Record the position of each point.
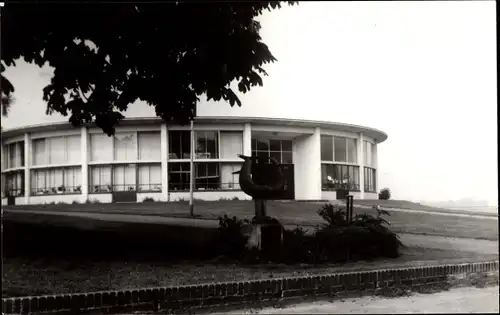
(148, 158)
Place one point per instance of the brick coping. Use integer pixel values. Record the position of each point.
(241, 292)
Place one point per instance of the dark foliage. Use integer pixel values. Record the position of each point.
(385, 194)
(166, 54)
(229, 240)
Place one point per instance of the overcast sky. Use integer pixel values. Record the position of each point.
(423, 72)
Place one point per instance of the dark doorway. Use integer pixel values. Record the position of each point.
(124, 196)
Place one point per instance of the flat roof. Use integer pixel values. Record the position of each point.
(377, 135)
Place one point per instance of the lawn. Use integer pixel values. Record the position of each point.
(293, 213)
(408, 205)
(22, 276)
(132, 255)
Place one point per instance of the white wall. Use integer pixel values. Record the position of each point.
(55, 198)
(307, 166)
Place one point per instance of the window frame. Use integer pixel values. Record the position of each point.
(47, 189)
(348, 167)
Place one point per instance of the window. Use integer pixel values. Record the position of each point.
(368, 154)
(49, 181)
(124, 177)
(340, 146)
(101, 147)
(100, 179)
(57, 150)
(14, 155)
(14, 183)
(39, 156)
(334, 175)
(207, 176)
(370, 179)
(206, 145)
(231, 144)
(179, 145)
(125, 146)
(281, 150)
(150, 178)
(230, 181)
(352, 154)
(149, 145)
(327, 148)
(178, 176)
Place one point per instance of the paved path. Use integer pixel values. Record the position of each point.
(411, 240)
(471, 215)
(461, 300)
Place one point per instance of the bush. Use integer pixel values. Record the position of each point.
(229, 240)
(148, 199)
(385, 194)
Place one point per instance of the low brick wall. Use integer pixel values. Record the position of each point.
(230, 293)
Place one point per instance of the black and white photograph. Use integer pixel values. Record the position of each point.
(249, 157)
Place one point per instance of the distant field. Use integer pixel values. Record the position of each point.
(408, 205)
(291, 213)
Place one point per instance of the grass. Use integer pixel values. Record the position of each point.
(124, 243)
(293, 213)
(408, 205)
(22, 277)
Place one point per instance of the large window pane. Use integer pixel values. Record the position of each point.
(340, 149)
(271, 148)
(39, 154)
(179, 143)
(228, 179)
(370, 179)
(56, 150)
(150, 178)
(206, 145)
(14, 183)
(56, 181)
(101, 147)
(149, 145)
(14, 154)
(352, 154)
(73, 149)
(100, 179)
(368, 154)
(231, 144)
(326, 148)
(125, 146)
(207, 176)
(335, 175)
(178, 176)
(124, 177)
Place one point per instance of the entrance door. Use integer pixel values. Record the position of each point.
(289, 189)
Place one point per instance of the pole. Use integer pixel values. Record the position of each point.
(191, 167)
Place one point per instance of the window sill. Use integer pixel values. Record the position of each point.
(54, 194)
(352, 190)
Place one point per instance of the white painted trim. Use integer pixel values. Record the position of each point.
(338, 133)
(13, 169)
(361, 160)
(12, 140)
(247, 140)
(55, 166)
(55, 134)
(164, 160)
(84, 151)
(283, 129)
(27, 174)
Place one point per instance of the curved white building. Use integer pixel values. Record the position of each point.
(148, 158)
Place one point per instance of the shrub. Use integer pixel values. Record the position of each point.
(366, 237)
(229, 240)
(148, 199)
(298, 247)
(385, 194)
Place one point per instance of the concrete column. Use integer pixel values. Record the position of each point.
(361, 162)
(315, 151)
(375, 165)
(27, 164)
(307, 166)
(85, 162)
(164, 161)
(247, 139)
